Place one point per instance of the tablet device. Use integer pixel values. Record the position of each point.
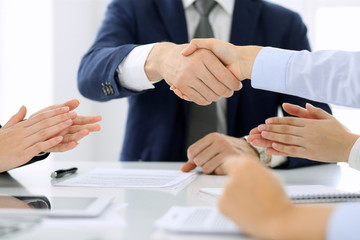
(54, 206)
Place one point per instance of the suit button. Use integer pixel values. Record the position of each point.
(104, 89)
(111, 89)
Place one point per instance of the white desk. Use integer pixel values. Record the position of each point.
(146, 206)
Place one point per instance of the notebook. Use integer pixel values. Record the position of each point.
(306, 194)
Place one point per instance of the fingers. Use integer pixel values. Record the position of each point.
(82, 120)
(64, 119)
(261, 142)
(63, 147)
(44, 133)
(187, 167)
(46, 115)
(309, 112)
(196, 44)
(41, 146)
(72, 104)
(75, 137)
(202, 78)
(283, 129)
(18, 117)
(293, 121)
(283, 138)
(287, 150)
(318, 112)
(214, 165)
(199, 146)
(227, 82)
(296, 110)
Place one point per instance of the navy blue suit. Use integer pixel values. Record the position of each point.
(157, 119)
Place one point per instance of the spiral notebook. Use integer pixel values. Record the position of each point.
(306, 194)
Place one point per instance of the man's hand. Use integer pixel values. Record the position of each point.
(210, 153)
(239, 60)
(202, 77)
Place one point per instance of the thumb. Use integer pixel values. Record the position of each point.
(190, 49)
(197, 44)
(318, 112)
(187, 167)
(18, 117)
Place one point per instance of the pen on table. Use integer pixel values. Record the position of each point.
(63, 172)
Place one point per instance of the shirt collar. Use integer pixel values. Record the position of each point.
(227, 5)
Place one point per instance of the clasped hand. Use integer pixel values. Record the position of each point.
(200, 75)
(204, 70)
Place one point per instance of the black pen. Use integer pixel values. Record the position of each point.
(63, 172)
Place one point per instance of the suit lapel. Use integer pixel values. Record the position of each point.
(173, 16)
(244, 26)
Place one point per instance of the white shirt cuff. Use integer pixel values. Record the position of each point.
(131, 70)
(276, 161)
(354, 157)
(270, 68)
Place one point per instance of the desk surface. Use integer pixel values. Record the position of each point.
(145, 206)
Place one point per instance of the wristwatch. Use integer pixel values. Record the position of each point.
(261, 151)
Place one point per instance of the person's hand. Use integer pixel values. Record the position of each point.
(210, 153)
(21, 140)
(81, 127)
(255, 200)
(239, 60)
(202, 77)
(316, 135)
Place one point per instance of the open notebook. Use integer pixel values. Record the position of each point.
(306, 194)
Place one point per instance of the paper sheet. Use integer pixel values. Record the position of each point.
(130, 178)
(196, 219)
(304, 193)
(109, 218)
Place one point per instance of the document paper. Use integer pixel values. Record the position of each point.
(305, 193)
(196, 219)
(130, 178)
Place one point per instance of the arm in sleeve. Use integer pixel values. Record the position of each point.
(354, 157)
(131, 71)
(296, 40)
(98, 67)
(344, 222)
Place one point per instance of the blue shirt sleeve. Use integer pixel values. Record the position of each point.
(323, 76)
(269, 71)
(344, 223)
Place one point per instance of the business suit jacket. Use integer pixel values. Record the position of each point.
(157, 119)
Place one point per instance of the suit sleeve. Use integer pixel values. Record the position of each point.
(297, 40)
(115, 40)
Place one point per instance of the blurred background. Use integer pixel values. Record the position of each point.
(42, 42)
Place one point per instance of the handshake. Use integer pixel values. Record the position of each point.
(204, 70)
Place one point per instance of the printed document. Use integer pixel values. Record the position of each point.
(196, 219)
(130, 178)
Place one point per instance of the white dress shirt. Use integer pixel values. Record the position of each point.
(131, 71)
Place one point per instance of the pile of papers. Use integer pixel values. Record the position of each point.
(130, 178)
